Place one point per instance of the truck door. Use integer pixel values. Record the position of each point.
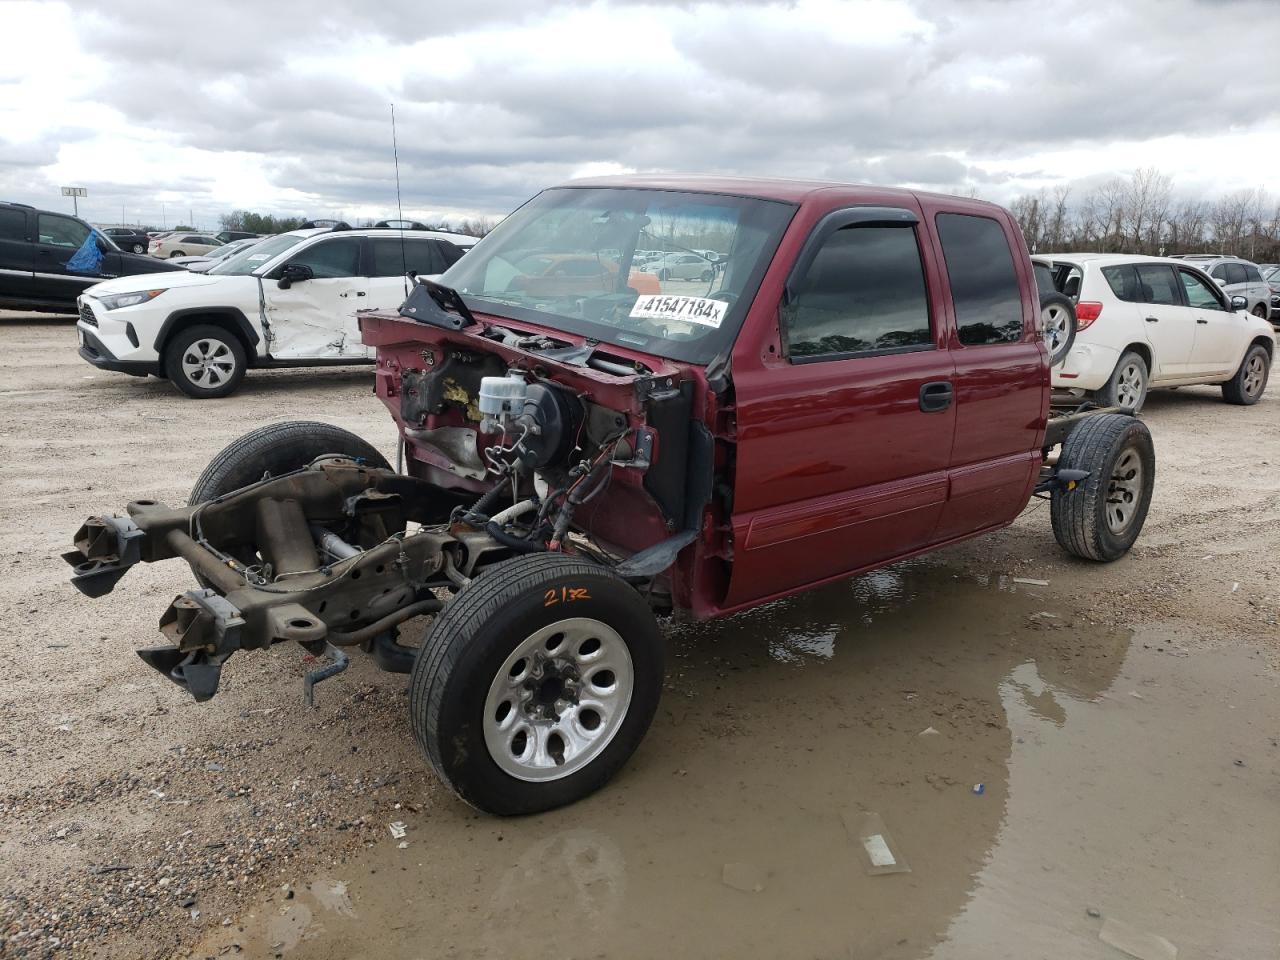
(845, 419)
(1001, 370)
(316, 318)
(17, 279)
(58, 239)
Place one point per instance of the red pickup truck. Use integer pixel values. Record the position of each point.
(856, 375)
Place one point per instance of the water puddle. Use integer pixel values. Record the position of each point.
(1029, 778)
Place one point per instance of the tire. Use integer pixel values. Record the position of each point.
(276, 449)
(1250, 381)
(1262, 311)
(1059, 315)
(176, 253)
(707, 275)
(204, 361)
(138, 248)
(1127, 388)
(1102, 517)
(466, 710)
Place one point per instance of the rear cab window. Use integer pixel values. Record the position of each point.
(13, 225)
(863, 295)
(394, 257)
(983, 280)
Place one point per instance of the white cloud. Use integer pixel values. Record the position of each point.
(284, 107)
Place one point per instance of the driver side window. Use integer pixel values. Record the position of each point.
(331, 259)
(62, 231)
(1199, 293)
(863, 294)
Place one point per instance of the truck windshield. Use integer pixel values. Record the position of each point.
(665, 272)
(251, 258)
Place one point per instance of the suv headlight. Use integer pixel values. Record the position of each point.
(114, 301)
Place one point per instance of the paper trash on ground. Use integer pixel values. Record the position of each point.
(881, 854)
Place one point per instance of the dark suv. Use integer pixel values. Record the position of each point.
(41, 261)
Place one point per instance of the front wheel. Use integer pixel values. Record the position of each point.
(1247, 386)
(1261, 311)
(536, 683)
(1101, 518)
(205, 361)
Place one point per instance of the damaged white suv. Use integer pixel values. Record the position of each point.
(289, 301)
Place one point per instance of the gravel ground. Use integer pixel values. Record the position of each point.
(135, 822)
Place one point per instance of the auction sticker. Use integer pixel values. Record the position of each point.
(700, 310)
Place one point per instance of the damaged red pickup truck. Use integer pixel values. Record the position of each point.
(829, 379)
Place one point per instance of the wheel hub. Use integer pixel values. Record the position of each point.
(558, 699)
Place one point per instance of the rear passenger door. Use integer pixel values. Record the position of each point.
(1167, 323)
(393, 260)
(16, 277)
(1001, 371)
(844, 437)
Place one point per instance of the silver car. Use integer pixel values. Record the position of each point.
(1239, 278)
(681, 266)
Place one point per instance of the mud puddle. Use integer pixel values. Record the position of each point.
(1039, 775)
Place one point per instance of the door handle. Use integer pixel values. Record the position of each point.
(1201, 320)
(1153, 319)
(935, 396)
(352, 293)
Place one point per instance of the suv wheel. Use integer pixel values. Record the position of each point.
(1249, 382)
(1127, 388)
(205, 361)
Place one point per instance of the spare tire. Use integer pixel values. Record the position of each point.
(1058, 315)
(276, 449)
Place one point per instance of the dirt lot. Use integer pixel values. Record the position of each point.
(1062, 767)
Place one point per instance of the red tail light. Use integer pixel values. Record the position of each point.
(1087, 311)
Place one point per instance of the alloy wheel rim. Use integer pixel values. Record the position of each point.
(558, 699)
(1255, 372)
(1055, 327)
(1124, 490)
(1129, 386)
(208, 362)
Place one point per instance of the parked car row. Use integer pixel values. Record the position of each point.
(1144, 322)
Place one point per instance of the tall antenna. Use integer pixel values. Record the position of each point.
(395, 152)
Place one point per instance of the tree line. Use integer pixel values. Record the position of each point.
(1141, 213)
(267, 223)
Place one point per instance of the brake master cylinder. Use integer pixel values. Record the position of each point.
(501, 401)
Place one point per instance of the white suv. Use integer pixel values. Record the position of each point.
(287, 301)
(1147, 322)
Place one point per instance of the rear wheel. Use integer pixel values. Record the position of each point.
(1250, 381)
(707, 275)
(536, 683)
(1101, 518)
(138, 248)
(205, 361)
(1127, 388)
(176, 253)
(1261, 311)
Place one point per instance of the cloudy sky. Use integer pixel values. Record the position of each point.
(283, 106)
